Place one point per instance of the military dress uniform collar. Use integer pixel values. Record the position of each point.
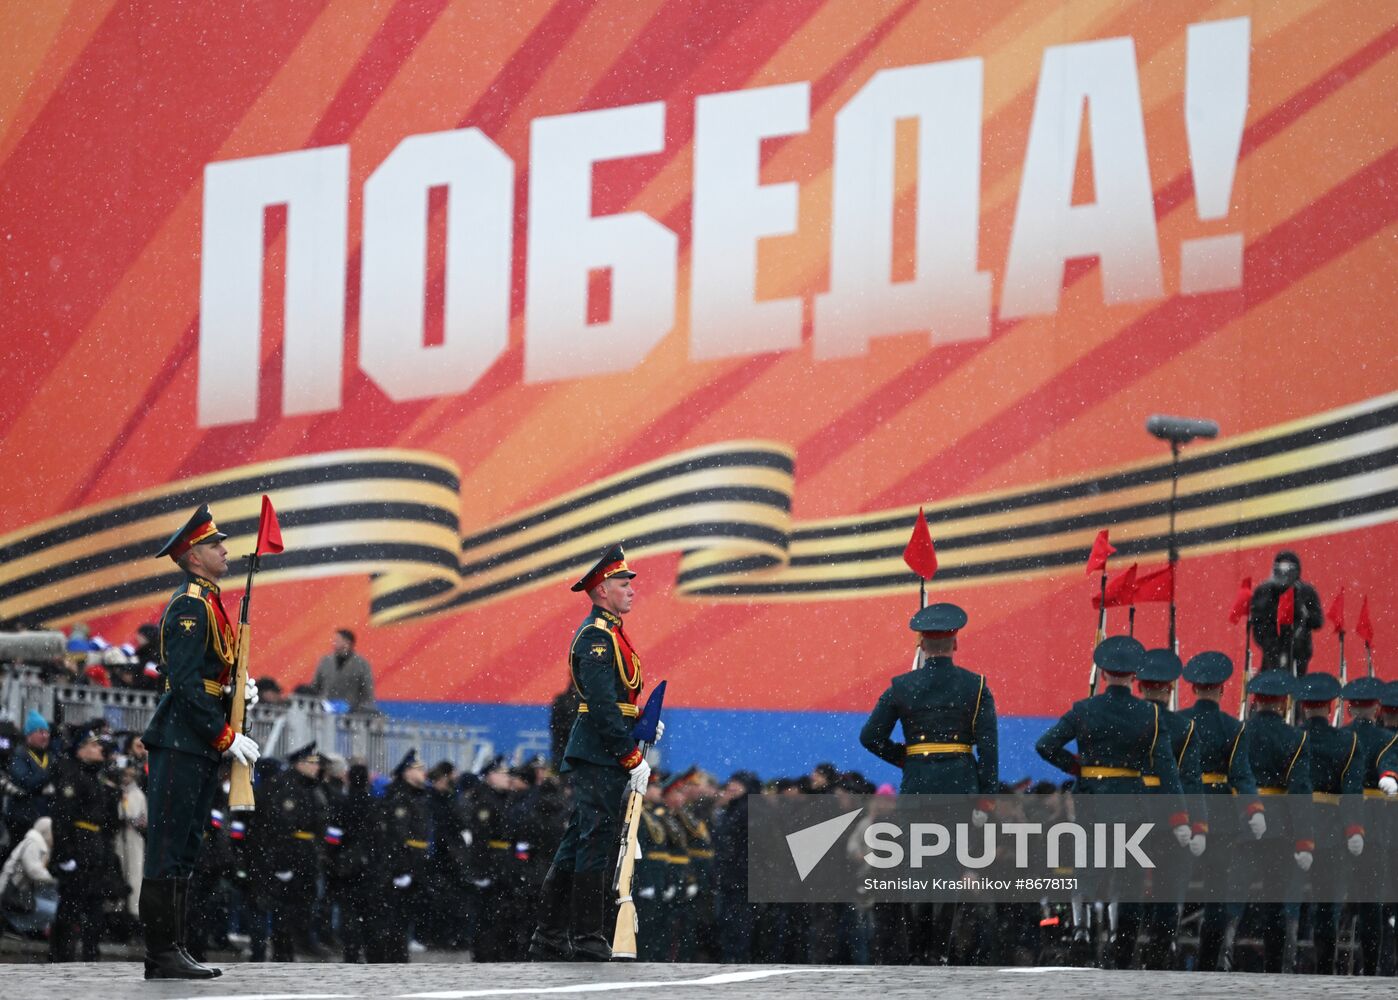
(606, 616)
(1118, 691)
(200, 581)
(939, 661)
(1206, 704)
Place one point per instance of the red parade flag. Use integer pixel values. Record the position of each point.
(1121, 589)
(1286, 607)
(1336, 615)
(269, 532)
(1155, 587)
(920, 555)
(1101, 550)
(1242, 602)
(1364, 628)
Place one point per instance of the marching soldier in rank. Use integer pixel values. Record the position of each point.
(946, 712)
(1388, 784)
(1120, 740)
(1370, 868)
(288, 838)
(652, 877)
(186, 737)
(1337, 779)
(1281, 762)
(1160, 669)
(402, 831)
(84, 816)
(1226, 770)
(603, 760)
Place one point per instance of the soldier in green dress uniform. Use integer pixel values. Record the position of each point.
(1236, 814)
(186, 737)
(1337, 781)
(1362, 695)
(603, 760)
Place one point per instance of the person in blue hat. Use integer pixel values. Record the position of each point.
(1362, 697)
(1118, 739)
(604, 762)
(1226, 770)
(30, 773)
(1281, 762)
(1156, 677)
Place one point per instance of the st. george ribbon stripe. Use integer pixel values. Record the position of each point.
(393, 515)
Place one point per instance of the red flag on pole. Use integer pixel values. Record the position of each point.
(1336, 615)
(1242, 602)
(1121, 589)
(920, 555)
(269, 532)
(1101, 550)
(1154, 587)
(1286, 607)
(1364, 628)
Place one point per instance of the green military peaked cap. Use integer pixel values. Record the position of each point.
(1272, 684)
(1318, 687)
(1208, 668)
(1363, 689)
(939, 618)
(1159, 666)
(1119, 654)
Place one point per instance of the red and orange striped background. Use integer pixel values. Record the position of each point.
(110, 110)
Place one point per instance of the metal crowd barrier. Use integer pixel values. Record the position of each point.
(379, 741)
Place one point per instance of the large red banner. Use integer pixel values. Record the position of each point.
(473, 290)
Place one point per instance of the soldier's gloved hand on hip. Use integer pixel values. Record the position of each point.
(640, 777)
(1197, 843)
(1257, 823)
(659, 730)
(402, 881)
(71, 865)
(250, 693)
(1356, 844)
(978, 818)
(1388, 784)
(282, 876)
(1182, 834)
(245, 749)
(1304, 860)
(647, 893)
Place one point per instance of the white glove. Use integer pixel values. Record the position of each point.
(978, 818)
(1197, 844)
(402, 881)
(691, 891)
(668, 894)
(1182, 835)
(640, 777)
(647, 893)
(1356, 844)
(1388, 784)
(250, 694)
(659, 730)
(245, 749)
(1257, 823)
(1304, 860)
(482, 883)
(68, 866)
(282, 876)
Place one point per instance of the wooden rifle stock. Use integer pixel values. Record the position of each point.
(627, 923)
(240, 796)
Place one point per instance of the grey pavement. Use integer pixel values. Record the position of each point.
(309, 981)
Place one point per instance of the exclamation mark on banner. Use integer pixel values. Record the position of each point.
(1215, 110)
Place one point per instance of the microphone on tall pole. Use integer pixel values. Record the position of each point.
(1178, 431)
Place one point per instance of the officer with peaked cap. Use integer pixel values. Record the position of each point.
(187, 735)
(603, 760)
(402, 833)
(1363, 696)
(1160, 669)
(950, 738)
(1119, 743)
(1337, 779)
(84, 813)
(287, 839)
(1281, 762)
(1238, 817)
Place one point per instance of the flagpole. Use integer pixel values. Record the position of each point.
(1101, 634)
(1247, 670)
(1344, 677)
(1369, 658)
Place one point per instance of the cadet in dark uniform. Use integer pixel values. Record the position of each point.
(1371, 867)
(1238, 817)
(603, 760)
(1281, 762)
(186, 737)
(84, 821)
(651, 878)
(1387, 767)
(1337, 781)
(1120, 740)
(402, 838)
(288, 839)
(1160, 669)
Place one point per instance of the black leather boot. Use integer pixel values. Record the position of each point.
(550, 941)
(590, 940)
(182, 928)
(161, 924)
